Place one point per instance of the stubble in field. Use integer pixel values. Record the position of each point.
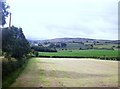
(65, 72)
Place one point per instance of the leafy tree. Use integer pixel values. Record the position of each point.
(14, 42)
(63, 44)
(36, 54)
(3, 12)
(40, 44)
(57, 45)
(91, 46)
(51, 45)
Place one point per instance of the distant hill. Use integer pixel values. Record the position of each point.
(69, 40)
(76, 40)
(77, 43)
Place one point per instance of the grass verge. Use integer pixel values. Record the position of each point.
(12, 76)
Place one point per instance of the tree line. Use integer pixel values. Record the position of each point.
(14, 45)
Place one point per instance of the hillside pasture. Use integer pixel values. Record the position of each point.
(76, 46)
(114, 46)
(89, 45)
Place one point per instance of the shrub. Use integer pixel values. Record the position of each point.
(14, 42)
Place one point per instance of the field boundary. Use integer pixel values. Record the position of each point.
(101, 58)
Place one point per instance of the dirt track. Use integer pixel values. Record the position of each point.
(65, 72)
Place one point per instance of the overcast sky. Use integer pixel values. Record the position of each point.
(46, 19)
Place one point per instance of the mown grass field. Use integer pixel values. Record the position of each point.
(68, 72)
(82, 53)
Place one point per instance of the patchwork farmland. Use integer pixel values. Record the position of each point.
(59, 44)
(65, 64)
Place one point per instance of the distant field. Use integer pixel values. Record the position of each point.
(82, 53)
(87, 45)
(105, 46)
(75, 46)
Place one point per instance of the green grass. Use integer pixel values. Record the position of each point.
(32, 76)
(82, 53)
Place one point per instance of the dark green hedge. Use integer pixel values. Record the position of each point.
(101, 58)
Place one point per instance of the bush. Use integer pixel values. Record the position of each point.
(11, 77)
(15, 48)
(36, 54)
(14, 42)
(10, 66)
